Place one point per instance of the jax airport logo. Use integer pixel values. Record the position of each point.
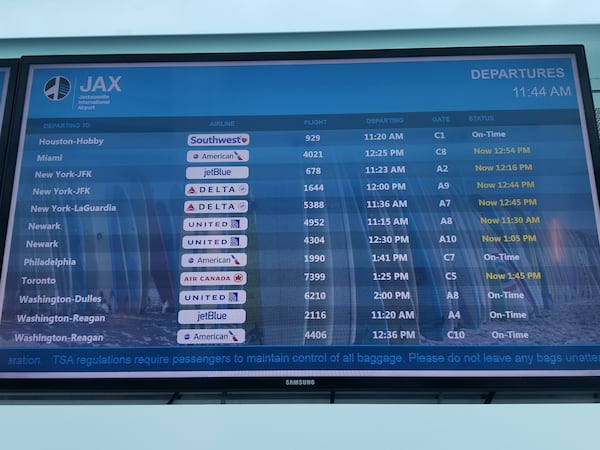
(57, 88)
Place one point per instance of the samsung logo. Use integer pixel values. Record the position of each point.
(300, 382)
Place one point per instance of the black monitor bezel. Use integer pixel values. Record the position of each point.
(255, 385)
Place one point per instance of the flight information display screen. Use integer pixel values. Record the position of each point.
(294, 216)
(4, 72)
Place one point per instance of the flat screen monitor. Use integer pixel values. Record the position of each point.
(320, 220)
(8, 74)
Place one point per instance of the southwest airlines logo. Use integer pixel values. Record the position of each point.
(57, 88)
(218, 139)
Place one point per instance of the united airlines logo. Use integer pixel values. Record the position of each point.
(57, 88)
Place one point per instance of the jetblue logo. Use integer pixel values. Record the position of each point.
(57, 88)
(102, 84)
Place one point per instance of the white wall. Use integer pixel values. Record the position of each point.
(62, 18)
(295, 427)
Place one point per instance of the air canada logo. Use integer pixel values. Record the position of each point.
(57, 88)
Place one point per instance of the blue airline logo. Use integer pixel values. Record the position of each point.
(212, 139)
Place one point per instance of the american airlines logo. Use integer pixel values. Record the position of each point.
(57, 88)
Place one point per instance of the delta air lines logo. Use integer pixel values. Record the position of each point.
(57, 88)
